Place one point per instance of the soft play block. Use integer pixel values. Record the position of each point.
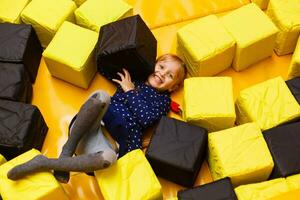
(95, 13)
(294, 67)
(269, 104)
(221, 189)
(46, 16)
(131, 177)
(22, 127)
(284, 145)
(240, 153)
(205, 46)
(127, 43)
(36, 186)
(177, 150)
(14, 83)
(263, 4)
(70, 55)
(203, 106)
(10, 10)
(286, 15)
(254, 33)
(294, 86)
(19, 44)
(262, 191)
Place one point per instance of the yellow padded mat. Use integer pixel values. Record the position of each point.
(59, 101)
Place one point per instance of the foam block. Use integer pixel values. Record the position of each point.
(95, 13)
(22, 128)
(285, 14)
(70, 55)
(205, 46)
(294, 67)
(262, 191)
(36, 186)
(19, 44)
(269, 104)
(127, 43)
(46, 16)
(10, 10)
(177, 150)
(203, 106)
(254, 33)
(221, 189)
(284, 145)
(14, 83)
(131, 177)
(240, 153)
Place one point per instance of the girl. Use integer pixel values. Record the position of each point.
(132, 108)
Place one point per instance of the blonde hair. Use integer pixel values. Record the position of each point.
(173, 57)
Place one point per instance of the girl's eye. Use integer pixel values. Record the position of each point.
(171, 76)
(161, 66)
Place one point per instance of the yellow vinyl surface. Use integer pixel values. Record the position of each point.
(59, 101)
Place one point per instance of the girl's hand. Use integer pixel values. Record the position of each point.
(125, 81)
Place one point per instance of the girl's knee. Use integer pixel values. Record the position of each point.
(109, 157)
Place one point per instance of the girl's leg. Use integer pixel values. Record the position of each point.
(82, 163)
(88, 120)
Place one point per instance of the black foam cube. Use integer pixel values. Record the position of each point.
(218, 190)
(19, 44)
(177, 150)
(22, 127)
(129, 44)
(14, 83)
(294, 86)
(284, 145)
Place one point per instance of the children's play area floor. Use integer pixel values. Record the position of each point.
(59, 101)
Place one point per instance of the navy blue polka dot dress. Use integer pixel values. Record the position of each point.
(129, 113)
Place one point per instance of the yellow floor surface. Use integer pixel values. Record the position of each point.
(59, 101)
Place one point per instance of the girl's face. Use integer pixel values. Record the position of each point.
(165, 76)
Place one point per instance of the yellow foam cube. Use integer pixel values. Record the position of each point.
(131, 177)
(205, 46)
(269, 104)
(208, 102)
(95, 13)
(70, 55)
(36, 186)
(294, 68)
(263, 4)
(10, 10)
(240, 153)
(262, 191)
(254, 33)
(286, 15)
(46, 16)
(2, 159)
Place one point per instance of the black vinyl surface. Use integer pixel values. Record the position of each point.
(177, 150)
(129, 44)
(19, 44)
(218, 190)
(14, 83)
(22, 127)
(284, 145)
(294, 86)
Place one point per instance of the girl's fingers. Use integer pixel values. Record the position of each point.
(121, 76)
(117, 81)
(127, 75)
